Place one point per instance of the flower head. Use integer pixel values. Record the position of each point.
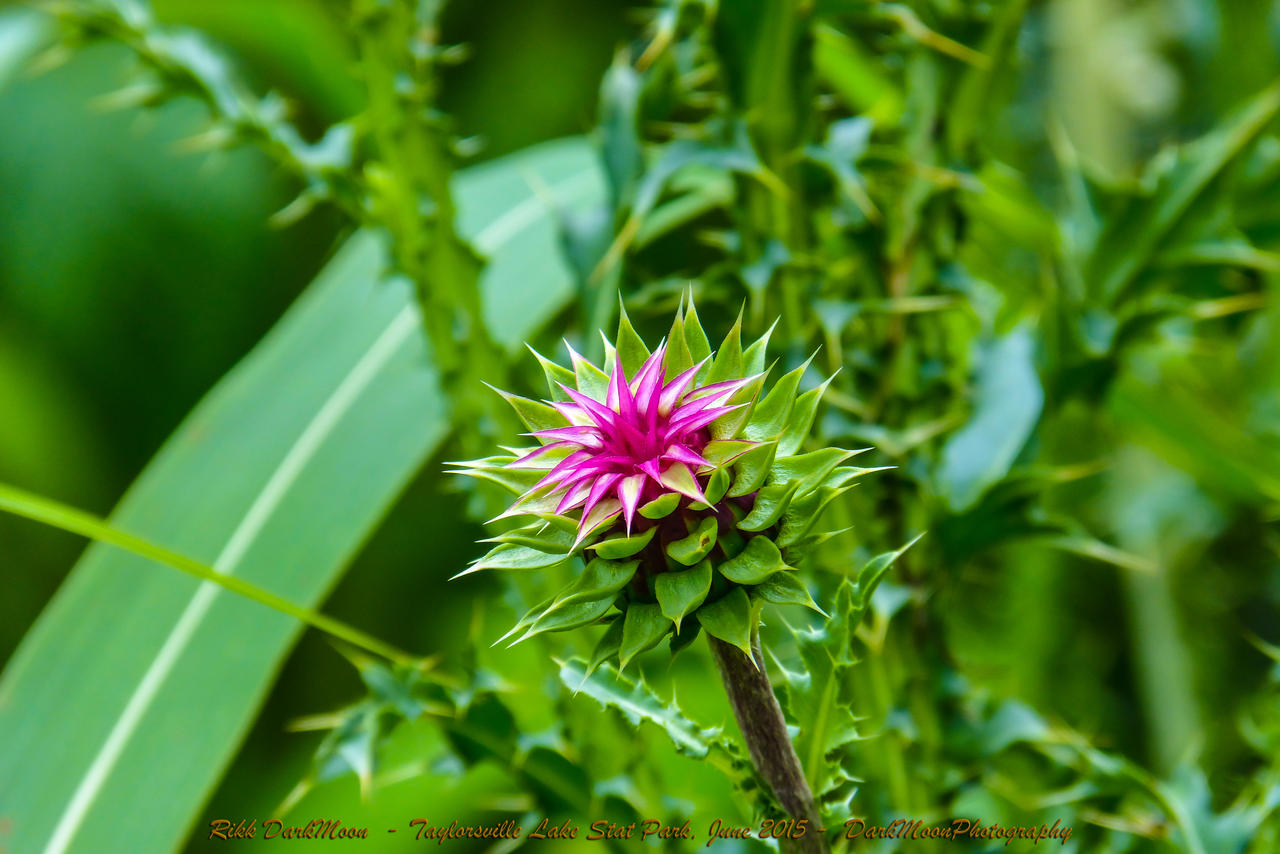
(643, 441)
(669, 485)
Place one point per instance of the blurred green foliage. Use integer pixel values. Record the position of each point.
(1038, 240)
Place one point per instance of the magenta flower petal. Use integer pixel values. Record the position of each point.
(576, 496)
(646, 439)
(702, 419)
(652, 468)
(599, 488)
(648, 382)
(523, 462)
(682, 454)
(573, 413)
(562, 468)
(721, 389)
(629, 489)
(601, 515)
(619, 397)
(678, 478)
(602, 415)
(675, 389)
(587, 436)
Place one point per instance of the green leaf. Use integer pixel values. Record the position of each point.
(717, 486)
(730, 425)
(1007, 406)
(752, 469)
(808, 471)
(495, 470)
(630, 346)
(539, 535)
(729, 619)
(721, 451)
(727, 364)
(693, 548)
(871, 574)
(818, 694)
(754, 356)
(771, 503)
(556, 374)
(678, 358)
(786, 588)
(510, 557)
(702, 190)
(695, 338)
(858, 79)
(619, 100)
(797, 551)
(637, 703)
(620, 547)
(759, 560)
(607, 648)
(588, 378)
(771, 415)
(22, 503)
(680, 593)
(1130, 241)
(530, 617)
(561, 617)
(804, 513)
(642, 628)
(601, 579)
(87, 725)
(801, 420)
(535, 414)
(661, 507)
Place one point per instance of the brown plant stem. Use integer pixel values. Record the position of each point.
(765, 730)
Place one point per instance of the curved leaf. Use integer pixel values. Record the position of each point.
(317, 430)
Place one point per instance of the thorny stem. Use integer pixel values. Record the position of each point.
(765, 731)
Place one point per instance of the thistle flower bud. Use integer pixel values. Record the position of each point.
(676, 483)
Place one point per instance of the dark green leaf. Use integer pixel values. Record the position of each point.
(620, 547)
(642, 628)
(786, 588)
(561, 617)
(727, 364)
(752, 469)
(759, 560)
(772, 415)
(1007, 406)
(693, 548)
(600, 580)
(771, 503)
(680, 593)
(730, 619)
(661, 507)
(637, 703)
(630, 346)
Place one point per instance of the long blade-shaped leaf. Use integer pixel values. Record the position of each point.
(136, 684)
(22, 503)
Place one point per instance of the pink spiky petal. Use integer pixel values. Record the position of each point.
(526, 461)
(679, 478)
(676, 389)
(682, 454)
(646, 438)
(629, 490)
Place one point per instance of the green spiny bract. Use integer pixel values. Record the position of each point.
(675, 481)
